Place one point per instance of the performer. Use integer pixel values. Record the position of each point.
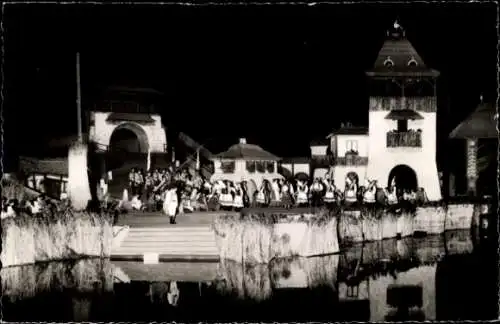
(392, 197)
(170, 203)
(351, 189)
(238, 197)
(225, 200)
(316, 192)
(302, 192)
(287, 195)
(370, 191)
(329, 198)
(261, 195)
(276, 193)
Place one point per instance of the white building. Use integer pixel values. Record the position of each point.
(247, 162)
(400, 141)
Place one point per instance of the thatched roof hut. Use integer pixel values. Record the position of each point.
(481, 124)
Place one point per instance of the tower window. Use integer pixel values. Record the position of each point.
(402, 125)
(388, 62)
(412, 62)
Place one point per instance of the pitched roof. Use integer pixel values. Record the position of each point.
(350, 130)
(138, 118)
(480, 124)
(398, 57)
(246, 151)
(319, 142)
(45, 166)
(403, 114)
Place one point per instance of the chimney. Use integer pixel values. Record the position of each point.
(243, 140)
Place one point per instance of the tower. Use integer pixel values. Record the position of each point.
(402, 117)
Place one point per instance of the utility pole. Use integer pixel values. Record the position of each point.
(78, 99)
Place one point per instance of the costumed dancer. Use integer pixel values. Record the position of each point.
(238, 197)
(226, 200)
(246, 196)
(276, 193)
(261, 195)
(370, 191)
(351, 189)
(316, 192)
(392, 196)
(170, 203)
(302, 192)
(187, 194)
(421, 197)
(329, 198)
(287, 195)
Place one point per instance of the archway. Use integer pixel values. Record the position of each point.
(404, 176)
(129, 137)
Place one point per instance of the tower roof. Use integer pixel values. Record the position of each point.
(244, 151)
(482, 123)
(398, 57)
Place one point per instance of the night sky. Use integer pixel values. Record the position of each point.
(280, 75)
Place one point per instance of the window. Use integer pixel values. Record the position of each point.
(351, 146)
(412, 62)
(388, 62)
(228, 167)
(402, 125)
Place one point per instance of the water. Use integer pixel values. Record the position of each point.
(439, 277)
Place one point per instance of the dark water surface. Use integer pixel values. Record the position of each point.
(444, 277)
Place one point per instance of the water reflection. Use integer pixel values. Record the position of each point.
(379, 281)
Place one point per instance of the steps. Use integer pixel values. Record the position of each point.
(179, 243)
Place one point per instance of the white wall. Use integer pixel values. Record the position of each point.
(319, 149)
(360, 141)
(297, 168)
(241, 173)
(102, 130)
(381, 159)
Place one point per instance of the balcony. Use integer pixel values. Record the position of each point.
(351, 160)
(320, 161)
(410, 138)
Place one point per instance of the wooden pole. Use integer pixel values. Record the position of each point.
(78, 99)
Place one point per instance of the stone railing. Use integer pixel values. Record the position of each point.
(351, 160)
(404, 139)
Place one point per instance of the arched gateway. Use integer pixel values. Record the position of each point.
(404, 176)
(129, 137)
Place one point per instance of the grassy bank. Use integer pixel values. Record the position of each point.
(259, 238)
(55, 235)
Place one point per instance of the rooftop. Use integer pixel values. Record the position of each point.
(398, 57)
(349, 129)
(482, 123)
(245, 151)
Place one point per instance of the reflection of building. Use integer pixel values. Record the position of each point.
(244, 161)
(400, 141)
(480, 134)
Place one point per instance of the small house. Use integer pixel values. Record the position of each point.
(245, 161)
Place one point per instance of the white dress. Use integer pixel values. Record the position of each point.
(302, 195)
(261, 197)
(329, 195)
(238, 199)
(225, 198)
(350, 195)
(170, 203)
(392, 198)
(369, 195)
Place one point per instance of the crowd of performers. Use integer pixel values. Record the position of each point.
(176, 192)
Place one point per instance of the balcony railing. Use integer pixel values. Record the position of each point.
(351, 160)
(404, 139)
(321, 161)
